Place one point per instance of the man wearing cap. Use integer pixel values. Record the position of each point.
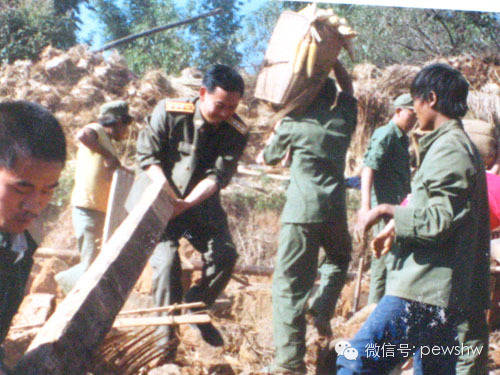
(193, 147)
(96, 161)
(385, 177)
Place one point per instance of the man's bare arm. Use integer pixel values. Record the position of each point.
(343, 78)
(88, 137)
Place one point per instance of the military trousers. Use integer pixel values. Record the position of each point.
(294, 274)
(213, 240)
(88, 226)
(378, 272)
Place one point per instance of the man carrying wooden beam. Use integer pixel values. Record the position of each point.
(32, 156)
(194, 146)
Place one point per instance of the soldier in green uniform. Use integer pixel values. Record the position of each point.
(314, 215)
(385, 177)
(32, 156)
(194, 145)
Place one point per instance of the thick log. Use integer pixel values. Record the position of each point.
(67, 342)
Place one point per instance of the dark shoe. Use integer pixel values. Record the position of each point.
(322, 326)
(210, 334)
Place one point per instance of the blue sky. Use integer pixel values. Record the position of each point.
(90, 29)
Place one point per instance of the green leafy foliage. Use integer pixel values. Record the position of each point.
(390, 35)
(215, 38)
(402, 35)
(26, 27)
(165, 50)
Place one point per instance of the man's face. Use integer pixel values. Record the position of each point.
(219, 105)
(120, 131)
(424, 112)
(25, 191)
(407, 118)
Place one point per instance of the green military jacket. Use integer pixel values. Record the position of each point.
(14, 273)
(187, 148)
(443, 257)
(318, 141)
(388, 156)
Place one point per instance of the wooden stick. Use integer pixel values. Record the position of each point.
(143, 321)
(359, 275)
(162, 320)
(192, 305)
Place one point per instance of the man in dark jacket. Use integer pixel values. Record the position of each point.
(32, 156)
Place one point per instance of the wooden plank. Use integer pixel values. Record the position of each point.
(67, 341)
(143, 321)
(168, 320)
(115, 213)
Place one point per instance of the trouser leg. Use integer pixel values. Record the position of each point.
(333, 270)
(378, 272)
(167, 287)
(294, 274)
(394, 331)
(219, 257)
(378, 276)
(473, 337)
(88, 226)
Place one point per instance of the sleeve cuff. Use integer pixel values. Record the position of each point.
(404, 222)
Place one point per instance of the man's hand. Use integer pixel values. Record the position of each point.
(180, 206)
(366, 221)
(112, 162)
(382, 243)
(260, 158)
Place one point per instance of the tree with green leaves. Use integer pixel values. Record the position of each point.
(166, 50)
(215, 39)
(28, 26)
(404, 35)
(390, 35)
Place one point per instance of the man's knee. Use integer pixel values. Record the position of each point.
(226, 259)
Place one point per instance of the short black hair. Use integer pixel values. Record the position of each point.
(449, 85)
(224, 77)
(328, 91)
(28, 130)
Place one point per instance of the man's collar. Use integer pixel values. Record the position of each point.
(198, 119)
(397, 129)
(428, 139)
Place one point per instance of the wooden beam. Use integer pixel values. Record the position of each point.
(115, 212)
(67, 342)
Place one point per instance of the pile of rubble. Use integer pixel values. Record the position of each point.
(73, 84)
